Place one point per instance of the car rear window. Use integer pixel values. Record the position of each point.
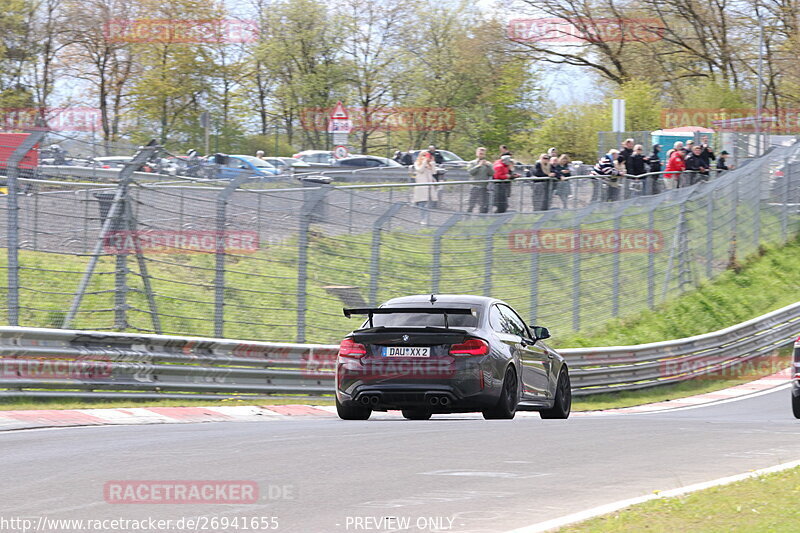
(423, 320)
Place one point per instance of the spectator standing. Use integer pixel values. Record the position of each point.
(542, 189)
(675, 166)
(503, 174)
(438, 158)
(653, 182)
(722, 163)
(637, 167)
(563, 172)
(607, 172)
(696, 166)
(480, 169)
(707, 153)
(625, 153)
(504, 150)
(260, 154)
(424, 195)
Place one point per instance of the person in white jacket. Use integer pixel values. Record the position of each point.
(425, 169)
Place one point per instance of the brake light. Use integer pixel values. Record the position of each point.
(348, 348)
(470, 347)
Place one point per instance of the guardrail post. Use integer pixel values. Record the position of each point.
(12, 165)
(118, 203)
(436, 271)
(374, 263)
(488, 257)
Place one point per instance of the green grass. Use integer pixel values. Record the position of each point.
(765, 282)
(765, 503)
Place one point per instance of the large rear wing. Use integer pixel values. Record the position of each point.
(371, 311)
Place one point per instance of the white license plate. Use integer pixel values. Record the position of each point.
(406, 351)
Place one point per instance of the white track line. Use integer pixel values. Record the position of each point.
(594, 512)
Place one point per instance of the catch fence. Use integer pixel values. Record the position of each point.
(255, 259)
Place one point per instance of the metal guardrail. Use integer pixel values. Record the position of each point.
(72, 363)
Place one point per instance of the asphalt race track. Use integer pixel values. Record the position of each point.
(457, 473)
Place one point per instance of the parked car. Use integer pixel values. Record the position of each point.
(283, 164)
(366, 161)
(316, 157)
(450, 159)
(429, 354)
(232, 166)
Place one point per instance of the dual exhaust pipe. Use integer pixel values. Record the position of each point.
(443, 400)
(370, 399)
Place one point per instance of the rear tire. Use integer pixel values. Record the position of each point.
(506, 406)
(562, 404)
(416, 414)
(352, 412)
(796, 406)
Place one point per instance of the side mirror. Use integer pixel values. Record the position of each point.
(540, 333)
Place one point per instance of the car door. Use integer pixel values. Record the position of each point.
(505, 333)
(535, 359)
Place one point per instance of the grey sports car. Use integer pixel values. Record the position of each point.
(429, 354)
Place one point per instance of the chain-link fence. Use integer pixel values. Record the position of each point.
(245, 258)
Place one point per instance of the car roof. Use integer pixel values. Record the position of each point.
(443, 299)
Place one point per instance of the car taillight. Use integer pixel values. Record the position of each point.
(470, 347)
(348, 348)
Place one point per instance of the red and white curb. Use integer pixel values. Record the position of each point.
(11, 420)
(15, 420)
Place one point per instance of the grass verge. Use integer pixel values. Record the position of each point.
(766, 503)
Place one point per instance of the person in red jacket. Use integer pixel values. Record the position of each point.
(675, 165)
(503, 173)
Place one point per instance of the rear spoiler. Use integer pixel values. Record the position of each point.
(370, 311)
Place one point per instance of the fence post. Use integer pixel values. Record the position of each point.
(534, 311)
(12, 165)
(219, 265)
(710, 234)
(576, 266)
(651, 254)
(125, 177)
(763, 174)
(488, 257)
(120, 276)
(374, 263)
(787, 176)
(615, 270)
(436, 271)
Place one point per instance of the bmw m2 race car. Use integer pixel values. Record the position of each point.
(449, 354)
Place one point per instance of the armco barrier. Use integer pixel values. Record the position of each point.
(71, 363)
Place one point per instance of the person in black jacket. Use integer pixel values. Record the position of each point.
(707, 153)
(697, 165)
(722, 164)
(542, 189)
(636, 167)
(652, 184)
